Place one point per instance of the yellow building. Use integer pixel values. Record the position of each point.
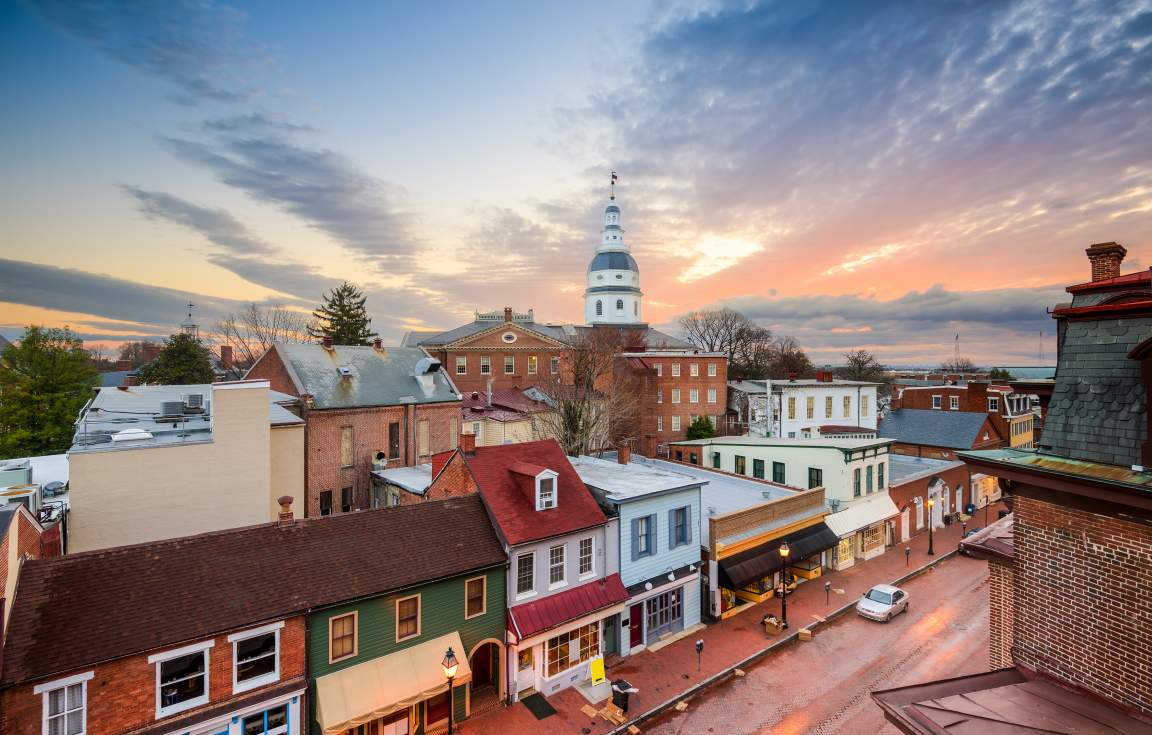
(507, 416)
(155, 462)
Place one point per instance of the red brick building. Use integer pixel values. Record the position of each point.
(1010, 412)
(913, 480)
(364, 408)
(1074, 639)
(677, 386)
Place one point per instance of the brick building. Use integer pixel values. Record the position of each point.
(21, 539)
(938, 434)
(916, 479)
(676, 387)
(1077, 630)
(363, 407)
(1010, 412)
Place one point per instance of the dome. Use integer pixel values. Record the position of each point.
(613, 261)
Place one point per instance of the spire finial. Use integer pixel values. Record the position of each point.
(612, 186)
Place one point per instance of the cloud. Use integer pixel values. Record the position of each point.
(220, 227)
(198, 45)
(716, 254)
(256, 122)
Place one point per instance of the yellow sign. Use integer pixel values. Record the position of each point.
(597, 668)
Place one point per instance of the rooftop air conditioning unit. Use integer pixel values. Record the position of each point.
(26, 495)
(172, 408)
(379, 461)
(194, 403)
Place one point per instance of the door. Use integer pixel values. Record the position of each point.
(482, 666)
(525, 669)
(611, 634)
(905, 519)
(959, 499)
(919, 514)
(665, 614)
(636, 626)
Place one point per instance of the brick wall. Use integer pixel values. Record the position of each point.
(454, 481)
(270, 367)
(657, 405)
(29, 536)
(1082, 607)
(1000, 583)
(122, 694)
(904, 494)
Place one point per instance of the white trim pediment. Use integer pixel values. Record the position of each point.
(503, 327)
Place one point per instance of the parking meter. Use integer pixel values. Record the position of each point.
(699, 650)
(907, 554)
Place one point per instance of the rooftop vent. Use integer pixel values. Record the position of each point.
(345, 371)
(131, 435)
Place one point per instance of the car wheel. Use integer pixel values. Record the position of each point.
(888, 618)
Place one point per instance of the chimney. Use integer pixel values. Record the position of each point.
(507, 313)
(378, 344)
(791, 377)
(285, 517)
(130, 380)
(468, 444)
(624, 454)
(226, 357)
(1105, 258)
(978, 394)
(152, 351)
(327, 342)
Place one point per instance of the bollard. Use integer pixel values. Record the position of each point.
(827, 592)
(907, 554)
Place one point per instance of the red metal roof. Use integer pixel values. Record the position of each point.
(535, 617)
(1129, 279)
(1118, 307)
(513, 508)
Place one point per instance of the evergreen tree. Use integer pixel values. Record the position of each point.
(183, 361)
(44, 382)
(701, 428)
(343, 317)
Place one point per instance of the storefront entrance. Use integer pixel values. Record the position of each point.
(636, 626)
(665, 614)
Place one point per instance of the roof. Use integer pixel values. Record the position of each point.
(861, 514)
(613, 260)
(283, 417)
(759, 385)
(113, 378)
(509, 495)
(551, 331)
(508, 404)
(1002, 701)
(1019, 372)
(385, 377)
(8, 513)
(1051, 464)
(232, 579)
(829, 429)
(761, 561)
(929, 427)
(624, 482)
(1126, 280)
(843, 444)
(997, 540)
(413, 479)
(538, 616)
(904, 468)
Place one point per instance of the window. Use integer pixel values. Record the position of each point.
(572, 648)
(864, 401)
(659, 395)
(659, 423)
(741, 465)
(791, 407)
(508, 337)
(758, 469)
(475, 597)
(643, 536)
(545, 493)
(815, 477)
(342, 637)
(585, 559)
(269, 722)
(453, 432)
(345, 500)
(936, 402)
(555, 365)
(847, 406)
(828, 407)
(636, 308)
(485, 365)
(880, 476)
(954, 403)
(778, 472)
(659, 370)
(868, 474)
(693, 395)
(346, 446)
(436, 709)
(422, 448)
(255, 657)
(810, 407)
(694, 369)
(619, 304)
(856, 482)
(64, 705)
(524, 659)
(675, 395)
(394, 440)
(509, 364)
(525, 573)
(326, 503)
(599, 308)
(461, 365)
(532, 364)
(711, 370)
(407, 618)
(994, 404)
(675, 370)
(556, 574)
(711, 395)
(181, 678)
(675, 423)
(678, 531)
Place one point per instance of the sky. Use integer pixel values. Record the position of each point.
(880, 175)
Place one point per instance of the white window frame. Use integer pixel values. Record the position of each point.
(157, 659)
(419, 617)
(953, 403)
(554, 365)
(563, 581)
(711, 395)
(994, 404)
(509, 364)
(693, 395)
(937, 402)
(591, 557)
(483, 596)
(659, 423)
(45, 689)
(485, 365)
(711, 370)
(533, 364)
(274, 676)
(675, 395)
(675, 370)
(547, 474)
(659, 370)
(694, 369)
(675, 423)
(659, 395)
(531, 590)
(462, 365)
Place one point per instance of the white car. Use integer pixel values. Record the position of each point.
(882, 603)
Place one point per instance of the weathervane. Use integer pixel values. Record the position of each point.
(612, 186)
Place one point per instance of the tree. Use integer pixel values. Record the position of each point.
(958, 365)
(253, 329)
(753, 352)
(183, 361)
(44, 382)
(861, 365)
(343, 317)
(134, 353)
(701, 428)
(1000, 374)
(788, 358)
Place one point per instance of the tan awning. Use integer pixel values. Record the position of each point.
(376, 688)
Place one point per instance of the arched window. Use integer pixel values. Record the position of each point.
(599, 308)
(619, 304)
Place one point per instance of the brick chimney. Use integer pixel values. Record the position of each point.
(284, 518)
(152, 350)
(378, 344)
(327, 342)
(226, 357)
(624, 454)
(507, 313)
(468, 444)
(1105, 258)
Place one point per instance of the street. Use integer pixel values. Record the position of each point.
(822, 686)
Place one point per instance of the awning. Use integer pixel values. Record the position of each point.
(862, 514)
(376, 688)
(761, 561)
(535, 617)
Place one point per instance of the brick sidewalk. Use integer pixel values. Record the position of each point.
(662, 675)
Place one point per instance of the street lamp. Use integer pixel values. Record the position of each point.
(931, 502)
(784, 583)
(449, 665)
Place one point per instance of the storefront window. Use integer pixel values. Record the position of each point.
(574, 647)
(436, 709)
(524, 659)
(269, 722)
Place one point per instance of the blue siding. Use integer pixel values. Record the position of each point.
(665, 559)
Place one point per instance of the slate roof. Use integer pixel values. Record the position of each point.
(80, 609)
(566, 333)
(949, 429)
(508, 404)
(1097, 411)
(513, 506)
(540, 615)
(551, 331)
(379, 378)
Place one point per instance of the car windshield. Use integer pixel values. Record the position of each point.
(880, 596)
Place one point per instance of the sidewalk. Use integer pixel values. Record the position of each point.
(663, 675)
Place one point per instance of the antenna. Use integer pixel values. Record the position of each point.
(612, 186)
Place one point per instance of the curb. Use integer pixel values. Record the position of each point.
(764, 652)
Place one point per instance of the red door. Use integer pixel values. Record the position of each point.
(636, 624)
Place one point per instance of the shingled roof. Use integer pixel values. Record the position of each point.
(81, 609)
(930, 428)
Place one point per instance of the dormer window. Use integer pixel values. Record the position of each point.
(545, 492)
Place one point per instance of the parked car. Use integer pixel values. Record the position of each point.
(882, 603)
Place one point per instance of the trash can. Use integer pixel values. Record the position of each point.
(621, 689)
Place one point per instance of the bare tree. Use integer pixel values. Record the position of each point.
(134, 353)
(254, 328)
(958, 365)
(725, 330)
(861, 365)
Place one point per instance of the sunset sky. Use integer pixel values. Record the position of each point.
(882, 175)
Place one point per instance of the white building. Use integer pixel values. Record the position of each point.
(613, 294)
(804, 408)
